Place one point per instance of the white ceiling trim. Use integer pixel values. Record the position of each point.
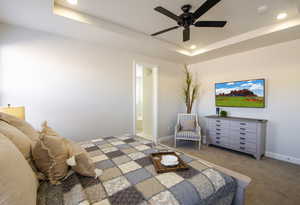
(113, 27)
(249, 35)
(104, 24)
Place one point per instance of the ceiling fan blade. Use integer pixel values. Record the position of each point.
(186, 34)
(167, 13)
(166, 30)
(210, 23)
(205, 7)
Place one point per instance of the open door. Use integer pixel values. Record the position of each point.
(145, 98)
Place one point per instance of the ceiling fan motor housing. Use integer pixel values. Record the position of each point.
(186, 19)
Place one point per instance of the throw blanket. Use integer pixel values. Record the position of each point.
(129, 178)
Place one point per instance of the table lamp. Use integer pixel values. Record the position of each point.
(18, 112)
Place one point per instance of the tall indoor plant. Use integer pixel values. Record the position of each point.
(191, 89)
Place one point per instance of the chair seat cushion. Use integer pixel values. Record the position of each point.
(188, 135)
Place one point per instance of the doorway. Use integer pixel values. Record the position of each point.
(145, 98)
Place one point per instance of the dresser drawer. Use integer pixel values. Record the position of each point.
(243, 135)
(219, 123)
(243, 139)
(245, 144)
(218, 131)
(243, 126)
(221, 142)
(219, 138)
(242, 148)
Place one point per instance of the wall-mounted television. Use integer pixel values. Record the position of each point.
(246, 93)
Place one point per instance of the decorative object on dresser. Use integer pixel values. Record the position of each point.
(185, 131)
(223, 113)
(240, 134)
(218, 111)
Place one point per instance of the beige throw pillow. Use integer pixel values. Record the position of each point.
(22, 142)
(18, 184)
(188, 125)
(81, 162)
(50, 155)
(48, 130)
(22, 125)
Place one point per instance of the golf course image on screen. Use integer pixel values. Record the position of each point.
(249, 93)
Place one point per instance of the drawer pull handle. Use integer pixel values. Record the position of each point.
(242, 123)
(218, 138)
(242, 143)
(242, 133)
(242, 138)
(242, 128)
(218, 129)
(218, 121)
(218, 133)
(217, 142)
(218, 125)
(242, 148)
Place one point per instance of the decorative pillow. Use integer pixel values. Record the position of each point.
(18, 182)
(81, 161)
(22, 125)
(50, 155)
(21, 141)
(48, 130)
(187, 125)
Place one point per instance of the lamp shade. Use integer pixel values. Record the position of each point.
(18, 112)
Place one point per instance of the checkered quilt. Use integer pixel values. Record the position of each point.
(129, 178)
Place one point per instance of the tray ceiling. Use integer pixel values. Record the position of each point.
(138, 15)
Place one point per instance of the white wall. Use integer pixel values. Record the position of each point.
(148, 102)
(280, 66)
(83, 90)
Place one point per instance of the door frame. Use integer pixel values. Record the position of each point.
(155, 70)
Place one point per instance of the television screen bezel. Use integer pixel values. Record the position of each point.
(264, 101)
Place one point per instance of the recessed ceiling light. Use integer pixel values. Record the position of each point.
(281, 16)
(73, 2)
(262, 9)
(193, 47)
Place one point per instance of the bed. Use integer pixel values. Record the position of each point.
(129, 178)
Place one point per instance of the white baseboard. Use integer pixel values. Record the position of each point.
(283, 157)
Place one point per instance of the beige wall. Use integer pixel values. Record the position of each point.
(280, 66)
(83, 90)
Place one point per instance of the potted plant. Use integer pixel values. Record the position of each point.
(191, 90)
(223, 113)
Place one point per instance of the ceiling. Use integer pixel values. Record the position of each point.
(139, 15)
(128, 24)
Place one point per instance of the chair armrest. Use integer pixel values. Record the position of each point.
(177, 127)
(198, 130)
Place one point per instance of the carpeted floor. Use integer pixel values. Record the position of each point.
(274, 182)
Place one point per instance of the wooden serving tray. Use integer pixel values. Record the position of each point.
(156, 158)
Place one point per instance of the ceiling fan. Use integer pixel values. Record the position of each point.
(188, 18)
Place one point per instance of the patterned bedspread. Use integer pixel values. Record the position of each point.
(129, 178)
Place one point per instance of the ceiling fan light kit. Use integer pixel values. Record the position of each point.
(188, 18)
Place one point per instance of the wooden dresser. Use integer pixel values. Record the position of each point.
(240, 134)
